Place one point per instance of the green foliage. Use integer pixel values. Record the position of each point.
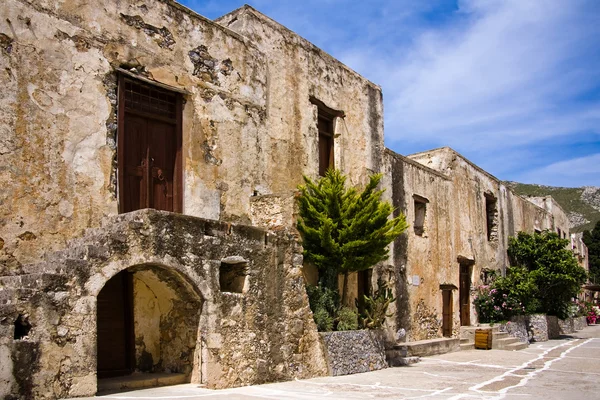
(570, 199)
(376, 306)
(592, 241)
(324, 304)
(545, 277)
(506, 297)
(347, 319)
(323, 320)
(343, 229)
(549, 267)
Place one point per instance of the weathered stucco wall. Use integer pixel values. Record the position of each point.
(263, 334)
(422, 258)
(58, 121)
(297, 71)
(561, 220)
(511, 213)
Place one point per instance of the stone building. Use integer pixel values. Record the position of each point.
(150, 159)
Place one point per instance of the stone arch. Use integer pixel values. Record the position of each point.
(165, 305)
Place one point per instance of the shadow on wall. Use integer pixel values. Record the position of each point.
(147, 321)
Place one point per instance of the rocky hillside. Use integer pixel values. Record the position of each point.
(582, 205)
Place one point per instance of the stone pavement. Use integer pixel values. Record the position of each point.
(566, 368)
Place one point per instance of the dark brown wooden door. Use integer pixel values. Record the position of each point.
(447, 313)
(149, 148)
(115, 327)
(464, 295)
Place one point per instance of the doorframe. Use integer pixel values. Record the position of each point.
(178, 169)
(465, 291)
(447, 290)
(129, 326)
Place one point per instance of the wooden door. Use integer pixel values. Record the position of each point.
(149, 148)
(464, 295)
(447, 313)
(114, 319)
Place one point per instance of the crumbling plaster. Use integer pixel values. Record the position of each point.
(467, 206)
(58, 117)
(264, 334)
(421, 262)
(297, 71)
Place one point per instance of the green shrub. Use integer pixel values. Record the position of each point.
(347, 319)
(376, 306)
(324, 305)
(323, 320)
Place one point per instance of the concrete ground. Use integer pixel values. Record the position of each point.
(567, 368)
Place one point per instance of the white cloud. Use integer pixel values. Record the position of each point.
(581, 171)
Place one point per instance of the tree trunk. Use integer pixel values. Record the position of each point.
(345, 289)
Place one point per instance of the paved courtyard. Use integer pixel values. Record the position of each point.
(567, 368)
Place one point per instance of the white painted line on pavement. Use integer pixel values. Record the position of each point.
(375, 386)
(473, 364)
(161, 397)
(430, 394)
(502, 392)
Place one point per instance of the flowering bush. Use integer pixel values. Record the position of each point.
(493, 304)
(578, 309)
(593, 313)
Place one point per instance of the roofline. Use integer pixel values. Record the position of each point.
(417, 164)
(194, 14)
(500, 182)
(553, 200)
(306, 43)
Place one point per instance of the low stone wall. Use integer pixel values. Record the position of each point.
(541, 327)
(352, 352)
(579, 323)
(517, 327)
(538, 328)
(553, 327)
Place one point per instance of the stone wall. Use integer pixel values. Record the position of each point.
(353, 352)
(298, 73)
(476, 198)
(541, 327)
(517, 327)
(243, 134)
(422, 258)
(266, 333)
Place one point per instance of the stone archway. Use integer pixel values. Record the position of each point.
(147, 321)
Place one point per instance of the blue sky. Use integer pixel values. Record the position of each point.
(513, 85)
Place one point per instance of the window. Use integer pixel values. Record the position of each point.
(491, 213)
(325, 126)
(420, 211)
(232, 276)
(326, 118)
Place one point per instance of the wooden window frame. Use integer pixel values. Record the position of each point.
(177, 122)
(419, 203)
(326, 122)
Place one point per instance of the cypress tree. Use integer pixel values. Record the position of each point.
(345, 230)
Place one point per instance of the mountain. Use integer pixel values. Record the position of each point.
(582, 205)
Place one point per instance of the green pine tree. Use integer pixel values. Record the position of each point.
(551, 267)
(592, 241)
(345, 230)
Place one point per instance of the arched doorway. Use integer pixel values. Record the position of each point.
(147, 321)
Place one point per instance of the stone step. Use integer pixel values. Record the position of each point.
(500, 344)
(467, 346)
(404, 361)
(141, 380)
(429, 347)
(465, 341)
(516, 346)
